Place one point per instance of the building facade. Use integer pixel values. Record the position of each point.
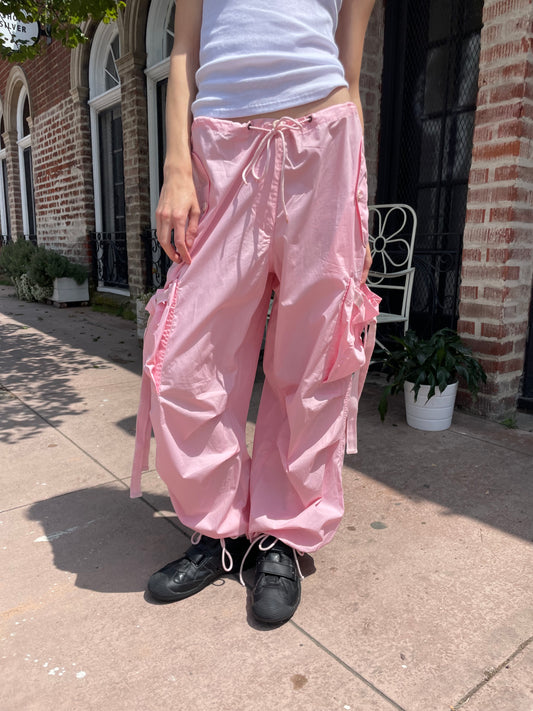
(447, 96)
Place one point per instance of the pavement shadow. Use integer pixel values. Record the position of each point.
(477, 475)
(109, 541)
(44, 349)
(105, 337)
(23, 358)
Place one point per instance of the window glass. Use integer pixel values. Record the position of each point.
(111, 74)
(25, 117)
(169, 32)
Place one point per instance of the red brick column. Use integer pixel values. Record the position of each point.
(498, 245)
(136, 167)
(370, 87)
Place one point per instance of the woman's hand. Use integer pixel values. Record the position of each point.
(178, 211)
(367, 264)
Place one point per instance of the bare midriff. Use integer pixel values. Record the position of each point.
(338, 96)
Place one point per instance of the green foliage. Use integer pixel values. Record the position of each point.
(15, 257)
(37, 269)
(113, 304)
(61, 19)
(33, 269)
(437, 361)
(510, 423)
(47, 265)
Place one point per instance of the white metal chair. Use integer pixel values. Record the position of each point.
(392, 231)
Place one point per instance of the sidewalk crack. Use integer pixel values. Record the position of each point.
(347, 667)
(490, 675)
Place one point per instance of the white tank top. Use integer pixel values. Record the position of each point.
(258, 56)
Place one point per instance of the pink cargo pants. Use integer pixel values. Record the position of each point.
(285, 211)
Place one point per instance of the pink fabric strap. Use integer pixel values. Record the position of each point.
(358, 380)
(142, 438)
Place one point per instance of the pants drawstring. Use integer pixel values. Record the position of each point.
(278, 128)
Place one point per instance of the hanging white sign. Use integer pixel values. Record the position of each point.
(14, 33)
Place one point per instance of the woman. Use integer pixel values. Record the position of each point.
(265, 190)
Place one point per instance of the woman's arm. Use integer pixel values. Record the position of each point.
(178, 207)
(350, 37)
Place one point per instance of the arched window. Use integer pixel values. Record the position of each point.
(25, 165)
(4, 201)
(108, 163)
(159, 41)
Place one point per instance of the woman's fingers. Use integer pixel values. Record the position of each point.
(367, 264)
(164, 236)
(177, 216)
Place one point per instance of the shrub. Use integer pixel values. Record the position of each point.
(33, 269)
(47, 265)
(15, 257)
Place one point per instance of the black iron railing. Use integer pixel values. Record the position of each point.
(109, 259)
(157, 262)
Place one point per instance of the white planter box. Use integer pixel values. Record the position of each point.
(67, 290)
(142, 318)
(431, 415)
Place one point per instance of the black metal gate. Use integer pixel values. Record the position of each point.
(526, 400)
(430, 77)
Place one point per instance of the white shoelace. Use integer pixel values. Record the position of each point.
(278, 128)
(227, 559)
(261, 540)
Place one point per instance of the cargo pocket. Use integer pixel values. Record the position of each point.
(347, 353)
(161, 309)
(351, 350)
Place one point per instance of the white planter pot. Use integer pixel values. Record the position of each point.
(142, 318)
(431, 415)
(67, 290)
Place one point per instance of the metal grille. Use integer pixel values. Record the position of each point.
(429, 101)
(109, 259)
(526, 401)
(157, 262)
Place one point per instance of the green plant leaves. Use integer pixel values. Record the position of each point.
(61, 20)
(437, 361)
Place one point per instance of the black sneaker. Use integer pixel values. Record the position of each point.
(201, 565)
(276, 592)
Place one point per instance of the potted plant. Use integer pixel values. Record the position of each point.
(428, 371)
(68, 281)
(40, 273)
(142, 313)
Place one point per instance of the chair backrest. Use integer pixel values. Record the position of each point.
(392, 230)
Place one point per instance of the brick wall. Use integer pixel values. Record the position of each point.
(47, 75)
(62, 175)
(370, 86)
(136, 167)
(498, 249)
(62, 167)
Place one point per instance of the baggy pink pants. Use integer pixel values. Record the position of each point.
(285, 210)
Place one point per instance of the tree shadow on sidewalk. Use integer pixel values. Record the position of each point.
(45, 353)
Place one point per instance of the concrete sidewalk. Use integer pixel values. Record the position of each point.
(423, 601)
